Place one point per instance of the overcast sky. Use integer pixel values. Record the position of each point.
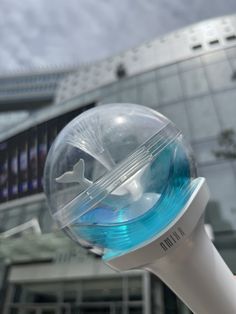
(39, 33)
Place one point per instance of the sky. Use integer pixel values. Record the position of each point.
(54, 33)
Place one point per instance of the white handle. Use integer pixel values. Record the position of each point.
(198, 275)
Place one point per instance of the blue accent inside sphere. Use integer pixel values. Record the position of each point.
(119, 224)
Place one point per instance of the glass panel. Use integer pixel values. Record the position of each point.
(105, 290)
(70, 296)
(147, 76)
(204, 151)
(23, 174)
(168, 84)
(226, 106)
(47, 311)
(45, 219)
(204, 121)
(13, 311)
(3, 172)
(170, 301)
(32, 211)
(221, 180)
(41, 293)
(13, 219)
(3, 217)
(231, 52)
(13, 169)
(8, 119)
(135, 288)
(194, 82)
(30, 311)
(42, 153)
(109, 89)
(182, 308)
(233, 64)
(118, 309)
(17, 294)
(215, 56)
(190, 64)
(220, 76)
(177, 114)
(129, 95)
(115, 98)
(148, 94)
(168, 70)
(94, 310)
(127, 82)
(135, 310)
(33, 160)
(51, 131)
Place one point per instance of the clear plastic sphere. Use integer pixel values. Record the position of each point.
(116, 176)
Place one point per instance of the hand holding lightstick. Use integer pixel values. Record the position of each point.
(121, 182)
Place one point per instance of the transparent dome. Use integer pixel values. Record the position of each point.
(116, 176)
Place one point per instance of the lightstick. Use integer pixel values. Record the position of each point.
(120, 180)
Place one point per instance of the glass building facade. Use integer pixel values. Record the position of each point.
(189, 76)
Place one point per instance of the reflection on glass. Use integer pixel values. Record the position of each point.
(42, 153)
(135, 288)
(3, 173)
(170, 301)
(109, 290)
(61, 122)
(165, 85)
(51, 311)
(23, 165)
(194, 82)
(33, 161)
(219, 75)
(51, 132)
(135, 310)
(13, 169)
(221, 181)
(22, 157)
(203, 118)
(149, 94)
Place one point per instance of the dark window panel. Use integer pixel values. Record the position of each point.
(22, 158)
(23, 165)
(33, 160)
(3, 172)
(42, 153)
(221, 181)
(13, 169)
(51, 131)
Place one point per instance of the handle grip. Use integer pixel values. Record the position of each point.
(196, 272)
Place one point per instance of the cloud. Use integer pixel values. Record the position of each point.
(49, 33)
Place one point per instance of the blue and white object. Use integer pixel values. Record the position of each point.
(121, 181)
